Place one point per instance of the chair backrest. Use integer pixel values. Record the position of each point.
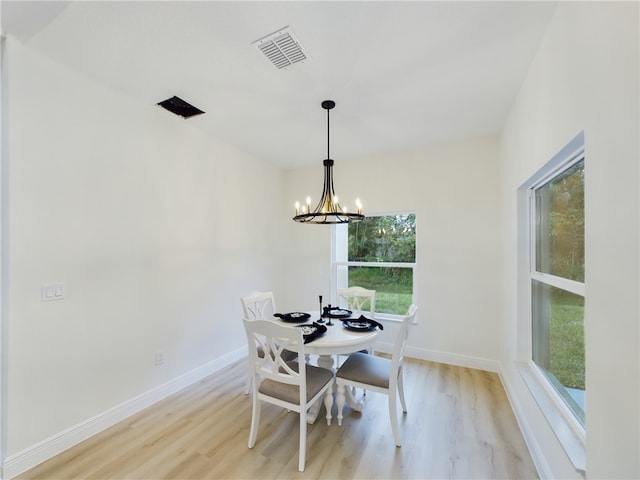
(258, 305)
(356, 299)
(273, 339)
(397, 356)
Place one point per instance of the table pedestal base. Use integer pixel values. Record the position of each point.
(326, 361)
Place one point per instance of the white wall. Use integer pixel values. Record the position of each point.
(152, 227)
(585, 77)
(453, 190)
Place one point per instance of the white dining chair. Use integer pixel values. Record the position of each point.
(260, 306)
(283, 383)
(378, 374)
(357, 298)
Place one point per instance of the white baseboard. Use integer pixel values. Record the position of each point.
(444, 357)
(38, 453)
(535, 450)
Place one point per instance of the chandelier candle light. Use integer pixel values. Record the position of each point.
(328, 209)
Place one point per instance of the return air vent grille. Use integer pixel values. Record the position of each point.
(180, 107)
(281, 48)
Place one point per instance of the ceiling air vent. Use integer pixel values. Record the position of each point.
(281, 48)
(180, 107)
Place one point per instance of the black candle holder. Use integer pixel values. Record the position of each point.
(326, 312)
(320, 320)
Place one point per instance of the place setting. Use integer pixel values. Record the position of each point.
(293, 317)
(309, 331)
(361, 324)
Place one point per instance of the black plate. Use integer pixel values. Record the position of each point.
(293, 317)
(339, 313)
(312, 329)
(358, 325)
(311, 332)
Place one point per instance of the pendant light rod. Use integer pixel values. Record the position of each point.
(328, 105)
(328, 210)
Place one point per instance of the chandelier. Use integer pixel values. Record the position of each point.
(328, 209)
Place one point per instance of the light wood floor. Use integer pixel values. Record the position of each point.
(459, 425)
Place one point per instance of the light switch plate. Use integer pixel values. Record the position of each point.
(52, 291)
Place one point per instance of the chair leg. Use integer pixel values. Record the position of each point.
(302, 449)
(364, 391)
(340, 399)
(255, 421)
(401, 391)
(328, 403)
(393, 416)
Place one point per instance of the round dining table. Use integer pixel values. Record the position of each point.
(337, 340)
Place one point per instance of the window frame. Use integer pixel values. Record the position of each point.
(567, 428)
(561, 283)
(342, 230)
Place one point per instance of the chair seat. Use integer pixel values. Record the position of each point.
(317, 378)
(369, 369)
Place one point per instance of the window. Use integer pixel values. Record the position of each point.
(556, 279)
(379, 253)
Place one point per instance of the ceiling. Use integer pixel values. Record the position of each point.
(402, 74)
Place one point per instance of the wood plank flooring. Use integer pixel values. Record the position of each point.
(459, 425)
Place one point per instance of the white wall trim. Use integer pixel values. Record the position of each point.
(535, 450)
(564, 425)
(38, 453)
(443, 357)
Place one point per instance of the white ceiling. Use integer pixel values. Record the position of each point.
(402, 74)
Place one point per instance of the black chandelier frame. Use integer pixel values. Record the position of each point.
(328, 210)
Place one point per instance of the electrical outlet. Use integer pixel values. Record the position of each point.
(159, 358)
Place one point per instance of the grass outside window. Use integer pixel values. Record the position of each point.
(393, 286)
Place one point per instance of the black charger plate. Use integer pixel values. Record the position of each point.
(293, 317)
(358, 325)
(339, 313)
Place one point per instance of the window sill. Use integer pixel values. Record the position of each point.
(570, 435)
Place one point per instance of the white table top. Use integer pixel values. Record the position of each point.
(337, 339)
